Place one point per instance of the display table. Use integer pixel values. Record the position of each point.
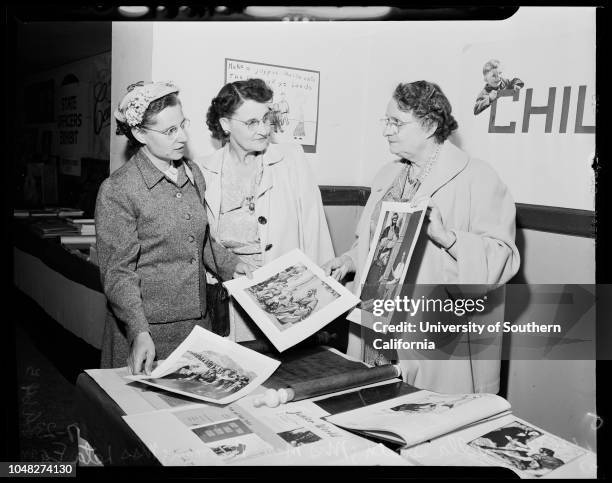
(115, 444)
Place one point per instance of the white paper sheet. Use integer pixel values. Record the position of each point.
(290, 434)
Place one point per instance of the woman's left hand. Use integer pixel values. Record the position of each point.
(242, 269)
(435, 229)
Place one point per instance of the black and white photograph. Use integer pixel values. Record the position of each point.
(434, 404)
(390, 256)
(210, 368)
(526, 449)
(299, 436)
(292, 295)
(291, 298)
(202, 201)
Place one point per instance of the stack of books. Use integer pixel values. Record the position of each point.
(86, 233)
(54, 212)
(53, 227)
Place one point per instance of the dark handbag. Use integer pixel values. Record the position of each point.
(217, 296)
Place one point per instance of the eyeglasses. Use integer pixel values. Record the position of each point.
(393, 124)
(171, 132)
(253, 124)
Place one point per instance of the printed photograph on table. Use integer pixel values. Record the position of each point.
(232, 440)
(525, 449)
(435, 403)
(291, 298)
(299, 436)
(397, 231)
(208, 367)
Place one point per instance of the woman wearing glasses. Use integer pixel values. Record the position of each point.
(150, 227)
(261, 198)
(467, 239)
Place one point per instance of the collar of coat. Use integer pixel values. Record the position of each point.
(451, 161)
(213, 163)
(153, 175)
(271, 155)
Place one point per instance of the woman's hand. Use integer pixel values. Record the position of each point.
(435, 229)
(143, 351)
(242, 269)
(338, 267)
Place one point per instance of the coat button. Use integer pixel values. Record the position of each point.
(191, 238)
(188, 216)
(262, 220)
(179, 195)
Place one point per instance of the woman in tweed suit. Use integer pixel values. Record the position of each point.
(150, 226)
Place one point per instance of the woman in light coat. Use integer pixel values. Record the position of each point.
(468, 238)
(261, 198)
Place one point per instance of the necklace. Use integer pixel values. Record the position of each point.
(416, 183)
(249, 199)
(246, 195)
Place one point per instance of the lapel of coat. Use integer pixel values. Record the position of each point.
(211, 170)
(451, 161)
(198, 179)
(271, 156)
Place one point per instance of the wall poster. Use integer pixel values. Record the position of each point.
(295, 101)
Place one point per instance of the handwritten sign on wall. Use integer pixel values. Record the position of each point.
(296, 97)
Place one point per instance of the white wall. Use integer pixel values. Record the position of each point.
(131, 62)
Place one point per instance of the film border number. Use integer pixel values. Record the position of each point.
(36, 469)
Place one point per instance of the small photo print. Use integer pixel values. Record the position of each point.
(223, 430)
(292, 295)
(232, 440)
(299, 436)
(526, 449)
(434, 404)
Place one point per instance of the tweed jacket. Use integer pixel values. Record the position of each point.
(150, 236)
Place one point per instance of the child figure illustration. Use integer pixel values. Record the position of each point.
(494, 82)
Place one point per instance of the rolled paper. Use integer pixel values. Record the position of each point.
(340, 382)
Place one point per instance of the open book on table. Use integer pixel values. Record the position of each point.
(421, 415)
(467, 430)
(528, 450)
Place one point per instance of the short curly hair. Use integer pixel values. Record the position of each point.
(156, 106)
(426, 101)
(231, 96)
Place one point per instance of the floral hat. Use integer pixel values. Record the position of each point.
(132, 107)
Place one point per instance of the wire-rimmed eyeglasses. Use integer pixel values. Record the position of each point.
(172, 131)
(393, 124)
(253, 124)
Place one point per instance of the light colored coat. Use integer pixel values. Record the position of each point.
(289, 200)
(477, 206)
